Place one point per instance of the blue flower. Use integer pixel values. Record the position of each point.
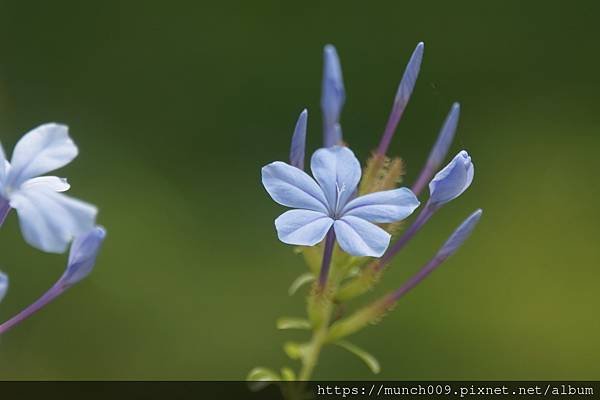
(330, 200)
(49, 220)
(333, 96)
(3, 285)
(451, 181)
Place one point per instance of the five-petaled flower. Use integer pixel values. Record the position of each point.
(49, 220)
(331, 201)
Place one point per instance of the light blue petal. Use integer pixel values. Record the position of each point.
(82, 256)
(50, 182)
(338, 172)
(302, 227)
(2, 166)
(333, 96)
(387, 206)
(50, 220)
(453, 180)
(43, 149)
(299, 141)
(292, 187)
(358, 237)
(3, 285)
(459, 236)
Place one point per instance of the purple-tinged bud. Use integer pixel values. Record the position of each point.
(298, 146)
(82, 257)
(451, 181)
(333, 96)
(405, 89)
(453, 243)
(3, 285)
(439, 150)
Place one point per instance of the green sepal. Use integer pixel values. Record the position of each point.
(357, 321)
(294, 350)
(365, 356)
(261, 377)
(365, 281)
(300, 281)
(293, 323)
(288, 374)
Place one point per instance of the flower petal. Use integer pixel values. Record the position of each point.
(338, 172)
(358, 237)
(41, 150)
(302, 227)
(3, 285)
(292, 187)
(50, 220)
(2, 166)
(51, 182)
(387, 206)
(452, 180)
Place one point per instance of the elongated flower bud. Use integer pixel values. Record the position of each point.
(452, 181)
(333, 97)
(3, 285)
(439, 150)
(451, 245)
(405, 89)
(299, 141)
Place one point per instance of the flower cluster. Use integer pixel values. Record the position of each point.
(49, 219)
(345, 217)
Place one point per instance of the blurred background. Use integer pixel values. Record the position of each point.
(175, 106)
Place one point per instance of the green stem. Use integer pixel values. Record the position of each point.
(312, 355)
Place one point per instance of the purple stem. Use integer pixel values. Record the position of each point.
(415, 279)
(423, 217)
(423, 179)
(37, 305)
(327, 254)
(390, 128)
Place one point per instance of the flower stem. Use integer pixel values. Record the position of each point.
(327, 254)
(37, 305)
(423, 217)
(312, 354)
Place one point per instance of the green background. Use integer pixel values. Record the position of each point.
(175, 106)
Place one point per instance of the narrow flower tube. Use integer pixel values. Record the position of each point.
(405, 89)
(3, 285)
(82, 258)
(333, 96)
(298, 146)
(458, 237)
(439, 150)
(327, 255)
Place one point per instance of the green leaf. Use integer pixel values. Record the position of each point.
(366, 357)
(260, 378)
(294, 350)
(287, 374)
(293, 323)
(300, 281)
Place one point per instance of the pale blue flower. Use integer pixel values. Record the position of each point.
(3, 285)
(451, 181)
(330, 200)
(333, 97)
(49, 220)
(299, 141)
